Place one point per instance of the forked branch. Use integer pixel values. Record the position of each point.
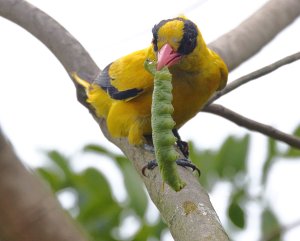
(247, 122)
(188, 213)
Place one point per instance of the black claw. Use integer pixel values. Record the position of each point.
(150, 166)
(186, 163)
(180, 162)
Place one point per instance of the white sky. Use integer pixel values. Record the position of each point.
(39, 111)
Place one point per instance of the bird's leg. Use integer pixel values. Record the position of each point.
(180, 162)
(150, 166)
(148, 145)
(182, 145)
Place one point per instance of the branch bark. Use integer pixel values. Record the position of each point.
(188, 213)
(255, 32)
(253, 125)
(57, 39)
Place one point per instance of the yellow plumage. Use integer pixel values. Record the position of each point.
(123, 92)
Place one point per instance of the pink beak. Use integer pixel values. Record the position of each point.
(167, 57)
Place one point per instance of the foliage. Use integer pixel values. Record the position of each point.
(98, 211)
(95, 207)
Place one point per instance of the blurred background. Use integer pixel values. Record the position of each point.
(252, 181)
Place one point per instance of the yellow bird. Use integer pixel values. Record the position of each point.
(122, 93)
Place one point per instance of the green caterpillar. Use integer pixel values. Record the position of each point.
(162, 124)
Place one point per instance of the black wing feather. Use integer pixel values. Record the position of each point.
(104, 81)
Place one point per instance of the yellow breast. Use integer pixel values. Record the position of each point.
(191, 91)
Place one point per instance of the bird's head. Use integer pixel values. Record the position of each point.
(173, 40)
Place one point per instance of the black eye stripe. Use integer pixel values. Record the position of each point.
(189, 39)
(154, 42)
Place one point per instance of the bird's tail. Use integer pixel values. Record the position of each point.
(80, 81)
(96, 96)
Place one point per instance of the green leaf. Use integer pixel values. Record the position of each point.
(52, 178)
(205, 160)
(99, 212)
(232, 157)
(236, 215)
(95, 208)
(138, 200)
(270, 226)
(136, 191)
(93, 190)
(98, 149)
(61, 162)
(239, 194)
(146, 231)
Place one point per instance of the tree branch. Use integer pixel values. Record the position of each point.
(246, 122)
(253, 125)
(188, 213)
(254, 75)
(60, 42)
(249, 37)
(29, 212)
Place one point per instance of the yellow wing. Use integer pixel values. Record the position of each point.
(126, 78)
(122, 80)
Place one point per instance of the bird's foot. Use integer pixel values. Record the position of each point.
(183, 147)
(180, 162)
(149, 166)
(186, 163)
